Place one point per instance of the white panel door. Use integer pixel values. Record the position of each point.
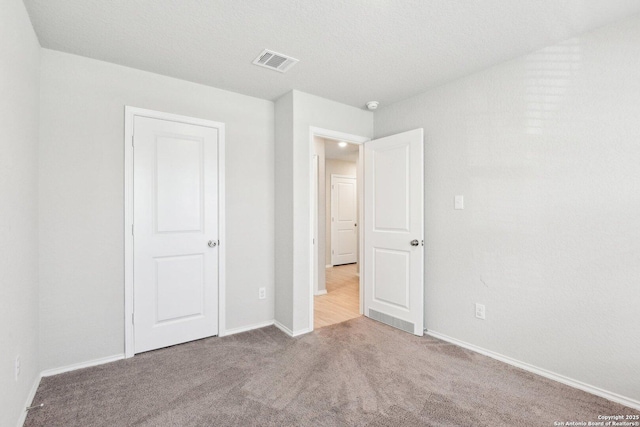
(344, 220)
(175, 233)
(394, 222)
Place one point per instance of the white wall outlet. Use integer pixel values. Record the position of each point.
(458, 202)
(262, 293)
(480, 311)
(17, 367)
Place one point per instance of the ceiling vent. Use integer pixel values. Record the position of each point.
(275, 61)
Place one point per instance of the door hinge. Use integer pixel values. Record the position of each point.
(132, 139)
(332, 252)
(132, 229)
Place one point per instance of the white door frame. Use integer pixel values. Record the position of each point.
(313, 214)
(314, 207)
(130, 114)
(333, 215)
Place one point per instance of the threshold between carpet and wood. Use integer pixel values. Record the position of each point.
(356, 373)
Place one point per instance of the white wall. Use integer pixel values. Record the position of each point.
(293, 236)
(284, 209)
(19, 91)
(81, 199)
(546, 151)
(334, 167)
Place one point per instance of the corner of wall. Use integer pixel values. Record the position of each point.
(19, 121)
(283, 176)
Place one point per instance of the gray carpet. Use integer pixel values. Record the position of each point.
(357, 373)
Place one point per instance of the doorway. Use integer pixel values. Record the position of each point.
(390, 261)
(336, 212)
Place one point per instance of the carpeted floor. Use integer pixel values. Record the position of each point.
(357, 373)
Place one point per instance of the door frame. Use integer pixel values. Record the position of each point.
(333, 175)
(313, 210)
(130, 113)
(315, 170)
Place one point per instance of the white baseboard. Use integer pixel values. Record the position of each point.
(56, 371)
(247, 328)
(283, 328)
(29, 401)
(328, 266)
(321, 292)
(614, 397)
(289, 331)
(302, 332)
(87, 364)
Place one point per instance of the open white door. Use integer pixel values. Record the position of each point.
(176, 231)
(344, 220)
(394, 230)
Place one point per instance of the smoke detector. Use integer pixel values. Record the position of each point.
(275, 61)
(372, 105)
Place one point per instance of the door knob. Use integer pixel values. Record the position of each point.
(212, 244)
(414, 242)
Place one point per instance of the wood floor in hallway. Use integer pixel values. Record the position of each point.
(341, 301)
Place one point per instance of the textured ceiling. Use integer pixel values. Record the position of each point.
(351, 51)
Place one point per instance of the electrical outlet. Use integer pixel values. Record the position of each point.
(262, 293)
(480, 311)
(17, 367)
